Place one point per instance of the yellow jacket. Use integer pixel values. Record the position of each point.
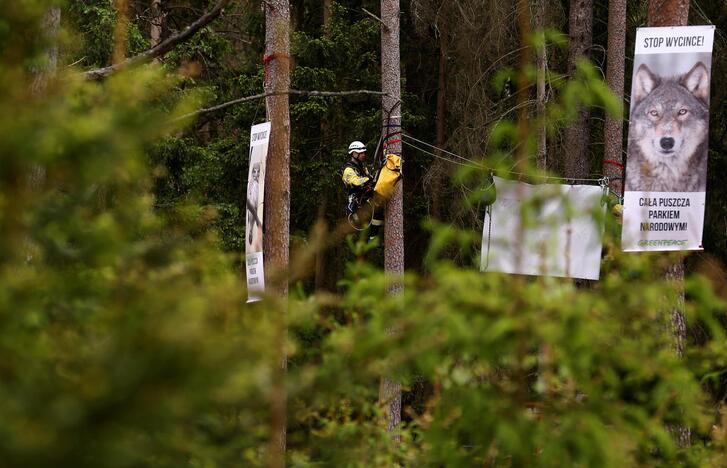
(355, 174)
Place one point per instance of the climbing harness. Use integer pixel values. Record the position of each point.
(355, 222)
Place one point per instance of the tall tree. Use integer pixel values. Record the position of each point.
(580, 31)
(523, 86)
(615, 62)
(50, 24)
(277, 200)
(541, 66)
(155, 23)
(674, 13)
(390, 391)
(438, 167)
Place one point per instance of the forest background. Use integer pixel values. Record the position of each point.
(124, 336)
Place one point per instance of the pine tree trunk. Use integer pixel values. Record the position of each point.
(327, 12)
(155, 25)
(277, 201)
(615, 62)
(523, 87)
(42, 73)
(121, 31)
(580, 26)
(390, 391)
(326, 155)
(674, 13)
(50, 24)
(438, 169)
(540, 65)
(668, 12)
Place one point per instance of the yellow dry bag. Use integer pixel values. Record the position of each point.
(388, 177)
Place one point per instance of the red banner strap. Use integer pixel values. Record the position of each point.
(614, 163)
(269, 58)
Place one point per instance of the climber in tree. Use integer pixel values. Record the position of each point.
(360, 186)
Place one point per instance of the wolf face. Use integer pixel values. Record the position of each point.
(668, 133)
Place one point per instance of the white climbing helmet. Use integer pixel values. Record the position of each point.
(356, 146)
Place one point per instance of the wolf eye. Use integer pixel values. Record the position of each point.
(653, 113)
(682, 111)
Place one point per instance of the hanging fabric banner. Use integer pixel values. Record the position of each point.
(254, 210)
(666, 170)
(548, 229)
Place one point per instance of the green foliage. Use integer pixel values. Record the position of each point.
(95, 21)
(125, 340)
(122, 335)
(524, 373)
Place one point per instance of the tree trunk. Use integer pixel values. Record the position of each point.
(613, 129)
(121, 31)
(50, 24)
(277, 201)
(326, 155)
(42, 73)
(327, 12)
(674, 13)
(155, 25)
(540, 65)
(390, 391)
(668, 12)
(438, 169)
(580, 26)
(523, 87)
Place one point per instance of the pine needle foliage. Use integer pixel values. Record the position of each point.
(125, 339)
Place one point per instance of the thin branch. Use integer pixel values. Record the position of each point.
(227, 104)
(383, 25)
(76, 62)
(163, 47)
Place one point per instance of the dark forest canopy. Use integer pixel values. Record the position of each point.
(125, 339)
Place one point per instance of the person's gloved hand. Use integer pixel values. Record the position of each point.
(368, 189)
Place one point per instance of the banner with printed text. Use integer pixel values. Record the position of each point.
(666, 169)
(254, 210)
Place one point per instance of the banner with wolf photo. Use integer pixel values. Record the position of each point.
(666, 168)
(254, 207)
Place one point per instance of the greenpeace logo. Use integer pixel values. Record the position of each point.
(662, 243)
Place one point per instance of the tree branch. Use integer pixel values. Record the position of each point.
(227, 104)
(163, 47)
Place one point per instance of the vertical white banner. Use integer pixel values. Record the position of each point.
(254, 211)
(666, 169)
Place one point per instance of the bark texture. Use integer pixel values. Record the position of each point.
(42, 73)
(580, 31)
(327, 15)
(438, 169)
(674, 13)
(541, 97)
(155, 26)
(277, 200)
(668, 12)
(613, 166)
(523, 87)
(390, 391)
(50, 24)
(121, 32)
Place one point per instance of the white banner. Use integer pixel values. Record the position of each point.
(548, 229)
(666, 171)
(254, 211)
(674, 40)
